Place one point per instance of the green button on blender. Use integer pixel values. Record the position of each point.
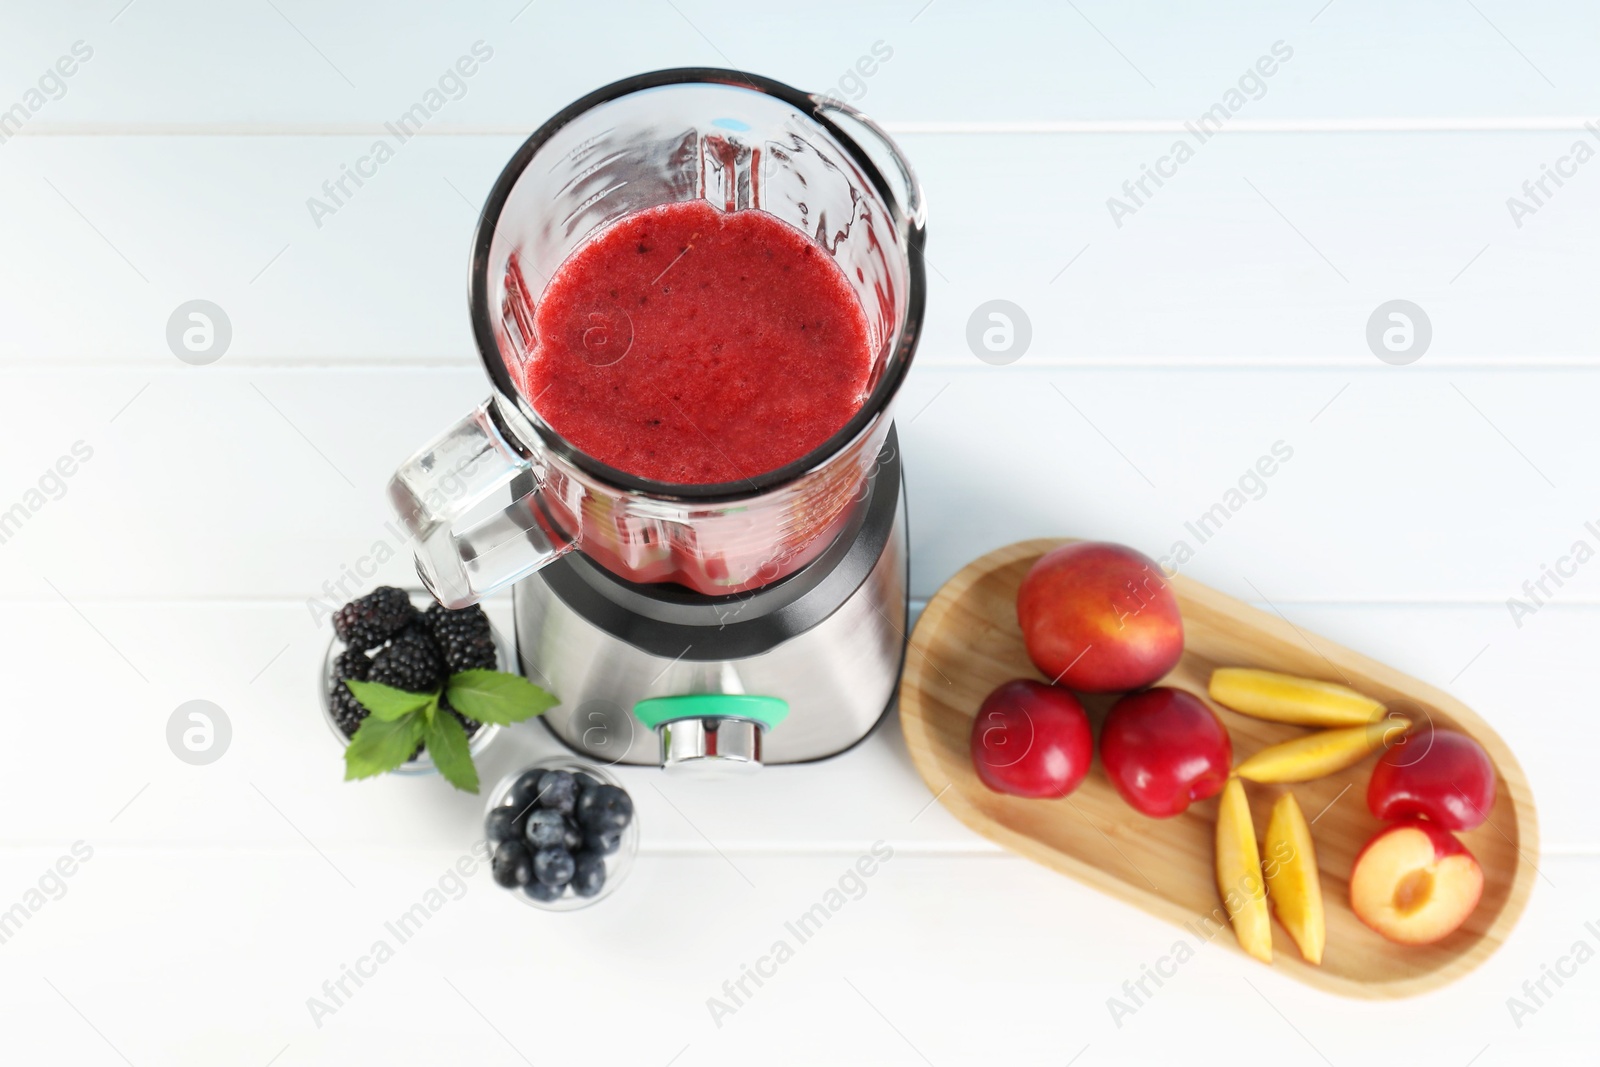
(768, 711)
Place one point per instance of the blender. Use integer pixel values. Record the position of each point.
(705, 627)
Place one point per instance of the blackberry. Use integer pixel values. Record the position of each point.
(463, 638)
(410, 662)
(347, 711)
(352, 663)
(368, 621)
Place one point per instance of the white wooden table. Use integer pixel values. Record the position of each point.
(1226, 313)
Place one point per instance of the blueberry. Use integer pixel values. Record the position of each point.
(546, 829)
(501, 824)
(585, 781)
(589, 874)
(602, 842)
(544, 894)
(558, 790)
(553, 866)
(605, 807)
(512, 865)
(572, 839)
(524, 791)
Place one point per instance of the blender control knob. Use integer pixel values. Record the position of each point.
(711, 733)
(711, 746)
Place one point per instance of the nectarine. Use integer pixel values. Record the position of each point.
(1099, 618)
(1301, 759)
(1164, 749)
(1288, 698)
(1031, 740)
(1293, 882)
(1414, 883)
(1439, 774)
(1239, 873)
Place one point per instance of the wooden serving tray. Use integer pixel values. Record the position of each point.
(968, 641)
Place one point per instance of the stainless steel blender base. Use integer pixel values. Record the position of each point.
(838, 676)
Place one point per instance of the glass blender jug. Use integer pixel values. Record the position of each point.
(501, 494)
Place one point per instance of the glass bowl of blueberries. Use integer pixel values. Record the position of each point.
(563, 832)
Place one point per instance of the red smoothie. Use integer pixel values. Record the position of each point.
(689, 345)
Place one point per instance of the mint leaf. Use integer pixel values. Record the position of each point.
(381, 745)
(447, 744)
(388, 703)
(497, 697)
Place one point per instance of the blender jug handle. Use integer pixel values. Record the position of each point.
(914, 201)
(440, 494)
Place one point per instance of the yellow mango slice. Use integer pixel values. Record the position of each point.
(1239, 873)
(1322, 753)
(1292, 883)
(1285, 698)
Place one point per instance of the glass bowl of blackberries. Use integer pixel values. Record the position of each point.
(564, 834)
(404, 640)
